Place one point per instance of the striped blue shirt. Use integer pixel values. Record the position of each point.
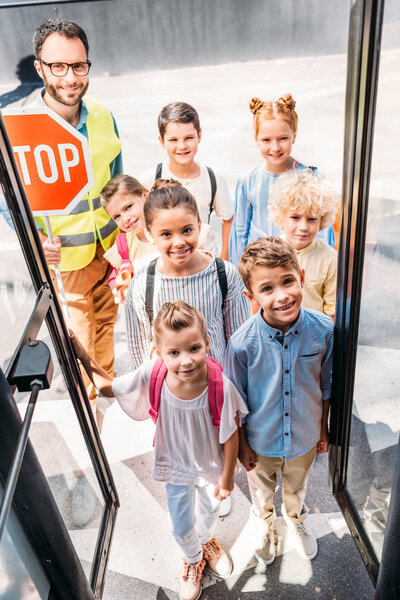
(282, 381)
(252, 219)
(201, 290)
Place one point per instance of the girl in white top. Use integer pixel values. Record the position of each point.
(192, 456)
(123, 198)
(183, 272)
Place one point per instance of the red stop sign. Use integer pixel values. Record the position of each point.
(53, 159)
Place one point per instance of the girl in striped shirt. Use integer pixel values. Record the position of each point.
(182, 272)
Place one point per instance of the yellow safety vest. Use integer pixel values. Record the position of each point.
(89, 222)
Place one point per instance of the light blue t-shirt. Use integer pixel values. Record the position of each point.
(252, 218)
(283, 383)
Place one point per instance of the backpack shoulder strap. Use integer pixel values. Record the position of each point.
(151, 269)
(215, 390)
(213, 182)
(123, 251)
(222, 279)
(157, 377)
(158, 171)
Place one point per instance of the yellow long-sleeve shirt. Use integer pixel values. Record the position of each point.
(319, 262)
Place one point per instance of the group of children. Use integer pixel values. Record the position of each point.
(270, 406)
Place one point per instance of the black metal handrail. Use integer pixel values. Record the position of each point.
(18, 457)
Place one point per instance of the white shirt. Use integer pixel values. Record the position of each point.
(188, 447)
(200, 188)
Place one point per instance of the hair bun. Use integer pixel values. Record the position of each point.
(287, 102)
(255, 105)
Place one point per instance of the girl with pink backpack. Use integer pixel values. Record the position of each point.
(197, 411)
(123, 198)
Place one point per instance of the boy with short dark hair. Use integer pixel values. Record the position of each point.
(280, 360)
(180, 135)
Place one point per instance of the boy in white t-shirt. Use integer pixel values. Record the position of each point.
(180, 135)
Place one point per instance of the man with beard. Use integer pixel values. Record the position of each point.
(81, 238)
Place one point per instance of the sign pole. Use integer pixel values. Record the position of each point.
(58, 273)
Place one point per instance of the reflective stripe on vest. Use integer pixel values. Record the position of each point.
(83, 206)
(89, 221)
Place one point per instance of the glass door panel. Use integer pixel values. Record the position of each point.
(376, 401)
(63, 455)
(17, 295)
(76, 508)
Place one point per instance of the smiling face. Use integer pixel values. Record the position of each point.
(181, 141)
(275, 139)
(175, 232)
(278, 290)
(127, 211)
(184, 353)
(300, 229)
(67, 90)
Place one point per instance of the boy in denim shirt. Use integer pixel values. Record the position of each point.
(280, 361)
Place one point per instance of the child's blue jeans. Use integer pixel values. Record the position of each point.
(194, 513)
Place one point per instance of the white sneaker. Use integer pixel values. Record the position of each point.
(306, 544)
(225, 507)
(266, 550)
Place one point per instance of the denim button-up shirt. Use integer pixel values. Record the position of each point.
(283, 381)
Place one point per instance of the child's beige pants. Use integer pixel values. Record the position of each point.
(294, 474)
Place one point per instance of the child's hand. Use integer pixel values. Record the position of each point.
(247, 456)
(323, 443)
(122, 281)
(79, 349)
(221, 493)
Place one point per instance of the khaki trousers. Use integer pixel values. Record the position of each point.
(294, 474)
(92, 312)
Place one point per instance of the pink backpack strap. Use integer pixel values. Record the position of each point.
(123, 251)
(215, 390)
(157, 377)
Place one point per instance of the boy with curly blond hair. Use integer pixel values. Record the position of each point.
(302, 203)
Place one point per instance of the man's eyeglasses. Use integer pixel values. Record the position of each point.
(60, 69)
